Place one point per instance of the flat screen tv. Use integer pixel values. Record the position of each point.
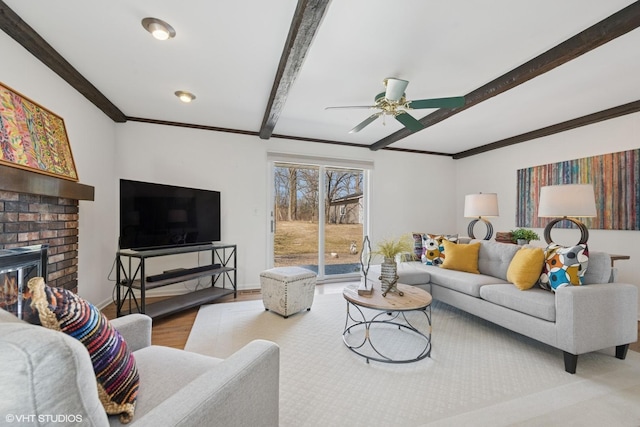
(157, 215)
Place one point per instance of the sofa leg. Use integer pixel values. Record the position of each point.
(570, 362)
(621, 351)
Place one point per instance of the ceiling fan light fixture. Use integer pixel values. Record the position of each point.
(158, 28)
(392, 102)
(395, 88)
(185, 96)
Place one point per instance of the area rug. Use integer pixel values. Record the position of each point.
(478, 373)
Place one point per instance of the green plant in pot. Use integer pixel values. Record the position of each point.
(522, 236)
(389, 249)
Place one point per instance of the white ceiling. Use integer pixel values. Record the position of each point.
(227, 53)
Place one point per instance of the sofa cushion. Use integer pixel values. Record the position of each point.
(156, 388)
(494, 258)
(461, 257)
(467, 283)
(525, 267)
(409, 273)
(564, 266)
(534, 302)
(7, 317)
(599, 270)
(113, 364)
(413, 273)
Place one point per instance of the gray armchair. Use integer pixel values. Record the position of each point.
(48, 372)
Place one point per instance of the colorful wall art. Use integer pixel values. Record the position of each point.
(616, 181)
(33, 138)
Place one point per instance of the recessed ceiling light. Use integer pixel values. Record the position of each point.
(185, 96)
(158, 28)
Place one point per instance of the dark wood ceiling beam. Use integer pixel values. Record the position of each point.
(21, 32)
(304, 25)
(611, 113)
(275, 135)
(603, 32)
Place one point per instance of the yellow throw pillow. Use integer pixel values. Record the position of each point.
(525, 267)
(461, 257)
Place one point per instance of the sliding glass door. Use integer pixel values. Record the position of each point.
(296, 230)
(318, 218)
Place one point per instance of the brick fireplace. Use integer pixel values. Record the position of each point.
(37, 209)
(30, 219)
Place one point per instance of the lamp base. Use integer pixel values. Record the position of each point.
(486, 223)
(584, 232)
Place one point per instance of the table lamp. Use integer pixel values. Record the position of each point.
(565, 202)
(480, 205)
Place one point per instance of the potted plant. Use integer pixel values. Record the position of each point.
(389, 249)
(522, 236)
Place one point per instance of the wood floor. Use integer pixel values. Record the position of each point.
(173, 331)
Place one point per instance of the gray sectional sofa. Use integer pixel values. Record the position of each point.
(577, 319)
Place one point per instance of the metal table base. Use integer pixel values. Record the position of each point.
(395, 318)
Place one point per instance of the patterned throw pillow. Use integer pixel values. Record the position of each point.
(417, 246)
(564, 266)
(113, 363)
(433, 249)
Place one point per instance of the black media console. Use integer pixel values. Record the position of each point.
(131, 275)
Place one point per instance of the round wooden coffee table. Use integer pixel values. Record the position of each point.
(391, 329)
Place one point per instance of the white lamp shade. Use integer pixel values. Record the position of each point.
(481, 204)
(570, 200)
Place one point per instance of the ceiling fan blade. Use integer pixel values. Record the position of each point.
(395, 88)
(365, 123)
(409, 121)
(453, 102)
(350, 107)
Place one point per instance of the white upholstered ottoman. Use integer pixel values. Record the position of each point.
(287, 290)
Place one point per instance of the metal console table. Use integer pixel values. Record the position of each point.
(132, 275)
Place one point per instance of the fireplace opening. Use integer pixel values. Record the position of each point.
(17, 267)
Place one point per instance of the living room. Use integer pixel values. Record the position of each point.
(105, 151)
(410, 191)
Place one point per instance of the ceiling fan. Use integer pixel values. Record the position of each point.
(393, 102)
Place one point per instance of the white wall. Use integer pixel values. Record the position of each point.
(495, 171)
(236, 165)
(405, 196)
(91, 135)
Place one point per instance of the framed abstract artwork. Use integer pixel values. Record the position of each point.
(616, 183)
(33, 138)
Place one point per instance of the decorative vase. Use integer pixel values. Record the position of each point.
(523, 242)
(388, 275)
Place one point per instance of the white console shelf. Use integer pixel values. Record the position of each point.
(131, 274)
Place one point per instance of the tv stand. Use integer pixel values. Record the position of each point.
(131, 275)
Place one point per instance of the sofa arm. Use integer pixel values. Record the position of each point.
(597, 316)
(242, 390)
(135, 329)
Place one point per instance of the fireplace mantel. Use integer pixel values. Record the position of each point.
(24, 181)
